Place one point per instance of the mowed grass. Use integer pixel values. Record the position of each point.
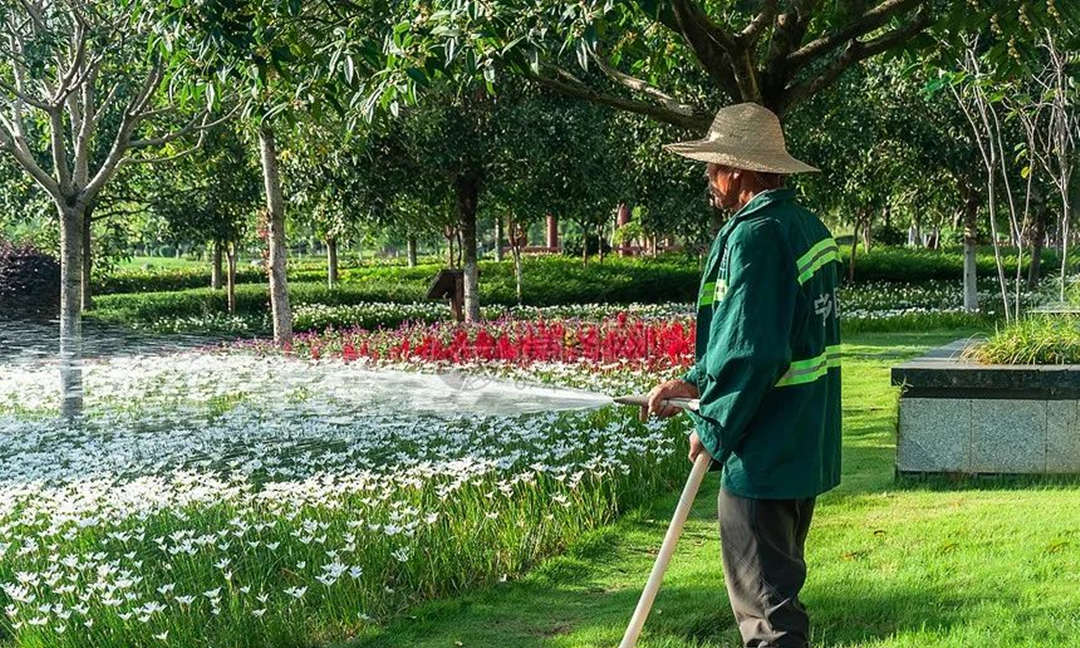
(892, 564)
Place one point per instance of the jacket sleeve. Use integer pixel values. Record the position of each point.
(749, 338)
(692, 375)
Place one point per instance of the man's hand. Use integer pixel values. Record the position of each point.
(696, 447)
(674, 388)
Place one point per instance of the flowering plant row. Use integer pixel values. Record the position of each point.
(622, 338)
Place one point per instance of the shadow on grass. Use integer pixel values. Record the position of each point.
(539, 613)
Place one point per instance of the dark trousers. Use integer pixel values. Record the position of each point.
(764, 569)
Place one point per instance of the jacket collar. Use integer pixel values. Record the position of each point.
(756, 204)
(764, 199)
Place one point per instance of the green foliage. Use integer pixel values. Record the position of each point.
(209, 194)
(1037, 339)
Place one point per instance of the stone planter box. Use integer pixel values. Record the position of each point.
(960, 417)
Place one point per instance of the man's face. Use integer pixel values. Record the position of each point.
(723, 186)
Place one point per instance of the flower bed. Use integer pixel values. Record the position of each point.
(215, 499)
(622, 338)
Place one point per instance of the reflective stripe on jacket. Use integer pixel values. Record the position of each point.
(768, 356)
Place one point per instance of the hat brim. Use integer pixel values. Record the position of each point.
(764, 161)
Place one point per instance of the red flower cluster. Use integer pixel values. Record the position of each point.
(648, 343)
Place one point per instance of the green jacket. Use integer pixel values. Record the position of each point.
(767, 359)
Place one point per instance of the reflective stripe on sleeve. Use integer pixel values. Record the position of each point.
(708, 292)
(821, 253)
(810, 369)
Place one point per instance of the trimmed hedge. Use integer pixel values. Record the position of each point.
(613, 278)
(130, 280)
(168, 279)
(547, 281)
(885, 263)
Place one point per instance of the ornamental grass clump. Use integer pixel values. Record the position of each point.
(1038, 339)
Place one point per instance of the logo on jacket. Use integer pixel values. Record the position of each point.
(721, 290)
(823, 306)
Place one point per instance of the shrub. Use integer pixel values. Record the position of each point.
(29, 282)
(1037, 339)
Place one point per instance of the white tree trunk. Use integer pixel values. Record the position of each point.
(971, 289)
(498, 239)
(71, 384)
(281, 315)
(87, 264)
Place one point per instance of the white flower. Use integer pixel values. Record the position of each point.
(296, 592)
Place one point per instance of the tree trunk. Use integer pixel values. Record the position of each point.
(87, 259)
(516, 251)
(279, 289)
(331, 262)
(1037, 237)
(215, 268)
(600, 242)
(71, 266)
(971, 288)
(867, 234)
(230, 278)
(468, 186)
(498, 239)
(851, 261)
(410, 250)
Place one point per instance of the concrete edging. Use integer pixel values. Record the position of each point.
(956, 416)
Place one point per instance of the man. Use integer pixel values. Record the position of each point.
(767, 371)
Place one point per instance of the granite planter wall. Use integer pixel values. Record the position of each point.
(961, 417)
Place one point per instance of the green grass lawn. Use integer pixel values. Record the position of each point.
(140, 262)
(908, 564)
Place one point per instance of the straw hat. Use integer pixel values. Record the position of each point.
(743, 136)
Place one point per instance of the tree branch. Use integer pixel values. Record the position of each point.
(190, 127)
(713, 47)
(11, 141)
(868, 22)
(59, 150)
(856, 51)
(642, 86)
(167, 158)
(573, 88)
(764, 18)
